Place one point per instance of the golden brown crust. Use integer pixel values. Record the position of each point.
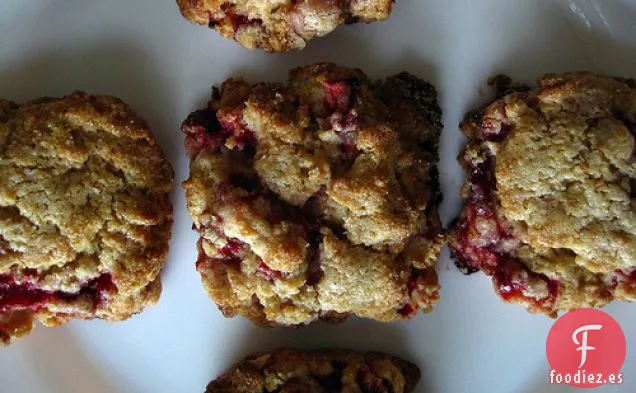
(317, 199)
(290, 371)
(85, 217)
(560, 186)
(281, 25)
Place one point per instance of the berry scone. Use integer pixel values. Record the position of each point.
(317, 199)
(323, 371)
(85, 217)
(281, 25)
(549, 197)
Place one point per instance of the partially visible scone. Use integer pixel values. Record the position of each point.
(85, 217)
(281, 25)
(324, 371)
(550, 193)
(317, 198)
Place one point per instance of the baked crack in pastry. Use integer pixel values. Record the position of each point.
(283, 25)
(84, 212)
(324, 371)
(549, 196)
(318, 198)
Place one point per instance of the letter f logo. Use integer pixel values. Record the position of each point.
(583, 344)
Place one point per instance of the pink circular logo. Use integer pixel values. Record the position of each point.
(586, 348)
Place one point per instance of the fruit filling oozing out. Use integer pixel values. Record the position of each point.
(209, 129)
(205, 129)
(512, 279)
(27, 294)
(493, 252)
(531, 223)
(330, 138)
(236, 20)
(339, 99)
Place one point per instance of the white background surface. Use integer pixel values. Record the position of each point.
(144, 52)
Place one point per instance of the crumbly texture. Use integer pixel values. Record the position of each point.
(324, 371)
(84, 212)
(318, 198)
(550, 193)
(281, 25)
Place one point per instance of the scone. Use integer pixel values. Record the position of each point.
(318, 198)
(549, 196)
(281, 25)
(333, 371)
(84, 212)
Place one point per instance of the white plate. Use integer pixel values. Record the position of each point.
(145, 53)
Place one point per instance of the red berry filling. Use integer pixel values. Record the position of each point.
(340, 97)
(345, 126)
(28, 296)
(202, 131)
(338, 114)
(511, 277)
(232, 125)
(231, 253)
(479, 209)
(344, 122)
(408, 311)
(306, 223)
(304, 219)
(412, 285)
(495, 126)
(237, 20)
(206, 129)
(625, 278)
